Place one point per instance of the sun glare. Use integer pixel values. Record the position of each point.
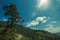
(43, 1)
(43, 4)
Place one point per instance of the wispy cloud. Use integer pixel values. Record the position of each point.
(53, 22)
(36, 21)
(3, 19)
(52, 29)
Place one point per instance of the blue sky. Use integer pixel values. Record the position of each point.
(38, 14)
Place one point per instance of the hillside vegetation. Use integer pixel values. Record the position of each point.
(29, 34)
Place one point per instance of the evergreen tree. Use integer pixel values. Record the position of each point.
(9, 33)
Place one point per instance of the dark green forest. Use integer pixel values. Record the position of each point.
(10, 30)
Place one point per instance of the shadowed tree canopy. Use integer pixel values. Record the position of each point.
(12, 13)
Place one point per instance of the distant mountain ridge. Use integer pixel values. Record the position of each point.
(58, 33)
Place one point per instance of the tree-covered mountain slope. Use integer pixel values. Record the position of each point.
(30, 34)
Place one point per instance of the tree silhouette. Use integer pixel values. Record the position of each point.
(9, 33)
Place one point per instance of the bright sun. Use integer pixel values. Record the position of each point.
(43, 3)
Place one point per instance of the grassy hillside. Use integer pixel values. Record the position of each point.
(30, 34)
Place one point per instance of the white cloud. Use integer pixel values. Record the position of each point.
(44, 21)
(52, 29)
(32, 23)
(36, 21)
(40, 18)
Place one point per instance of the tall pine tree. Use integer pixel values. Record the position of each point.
(9, 33)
